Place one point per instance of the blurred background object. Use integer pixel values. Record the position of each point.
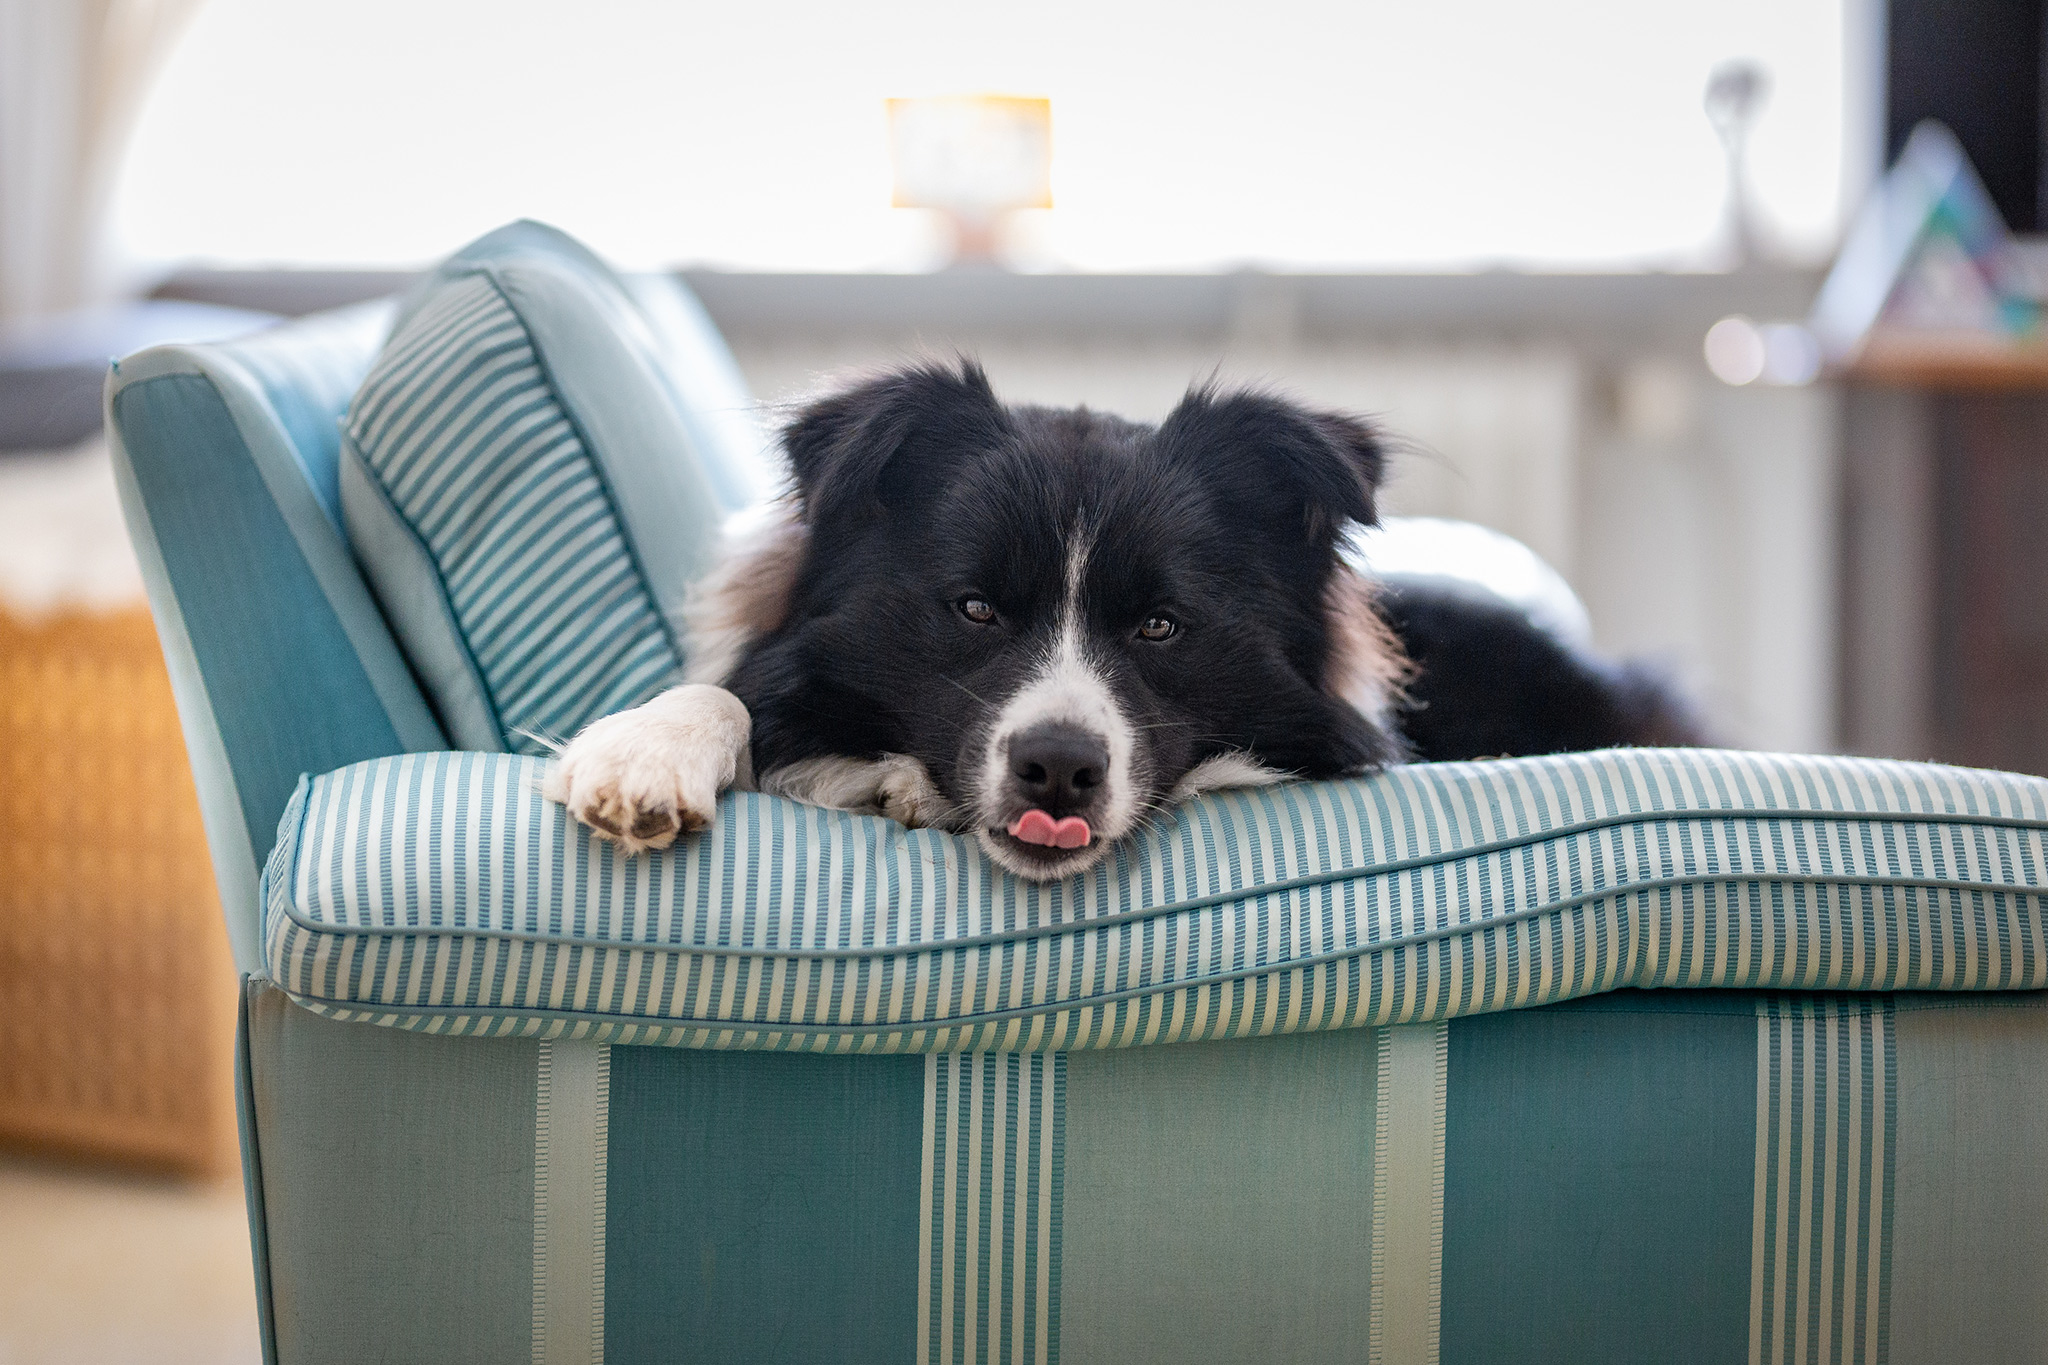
(1929, 283)
(118, 1018)
(116, 994)
(122, 1233)
(116, 990)
(72, 78)
(1735, 95)
(1932, 318)
(976, 159)
(53, 365)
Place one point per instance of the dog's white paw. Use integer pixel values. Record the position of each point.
(644, 776)
(905, 793)
(895, 785)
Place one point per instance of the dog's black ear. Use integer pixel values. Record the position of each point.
(885, 439)
(1312, 471)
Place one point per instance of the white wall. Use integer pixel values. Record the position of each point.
(1711, 544)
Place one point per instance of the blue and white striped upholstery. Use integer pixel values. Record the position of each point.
(459, 426)
(225, 455)
(525, 482)
(1697, 1176)
(668, 324)
(440, 891)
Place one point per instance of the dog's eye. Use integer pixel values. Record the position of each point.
(1157, 628)
(977, 610)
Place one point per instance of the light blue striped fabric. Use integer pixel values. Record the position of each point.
(459, 425)
(1870, 1165)
(440, 891)
(1826, 1121)
(659, 318)
(988, 1227)
(225, 458)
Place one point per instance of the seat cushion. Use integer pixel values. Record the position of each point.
(440, 891)
(527, 491)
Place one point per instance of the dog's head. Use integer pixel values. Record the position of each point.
(1063, 614)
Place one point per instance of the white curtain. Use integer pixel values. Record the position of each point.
(72, 76)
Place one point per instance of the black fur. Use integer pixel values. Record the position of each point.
(1489, 683)
(920, 490)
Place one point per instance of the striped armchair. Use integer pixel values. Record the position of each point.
(1608, 1057)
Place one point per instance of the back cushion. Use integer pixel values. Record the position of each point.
(528, 493)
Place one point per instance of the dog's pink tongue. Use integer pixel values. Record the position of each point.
(1036, 827)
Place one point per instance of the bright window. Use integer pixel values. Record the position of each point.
(1288, 133)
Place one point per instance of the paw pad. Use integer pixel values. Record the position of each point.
(652, 824)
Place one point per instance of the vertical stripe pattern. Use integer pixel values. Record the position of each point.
(1408, 1194)
(570, 1144)
(1826, 1119)
(440, 891)
(989, 1245)
(458, 422)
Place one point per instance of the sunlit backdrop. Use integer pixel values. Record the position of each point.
(1293, 134)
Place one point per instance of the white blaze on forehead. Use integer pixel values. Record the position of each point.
(1068, 688)
(1077, 570)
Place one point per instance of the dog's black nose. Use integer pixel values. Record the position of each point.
(1059, 768)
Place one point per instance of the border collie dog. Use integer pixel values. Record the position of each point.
(1043, 626)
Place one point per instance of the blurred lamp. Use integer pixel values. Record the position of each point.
(973, 158)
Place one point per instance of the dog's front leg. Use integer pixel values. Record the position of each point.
(644, 776)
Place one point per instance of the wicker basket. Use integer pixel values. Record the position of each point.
(116, 988)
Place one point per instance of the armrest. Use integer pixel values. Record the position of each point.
(441, 892)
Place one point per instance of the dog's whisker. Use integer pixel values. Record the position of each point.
(964, 688)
